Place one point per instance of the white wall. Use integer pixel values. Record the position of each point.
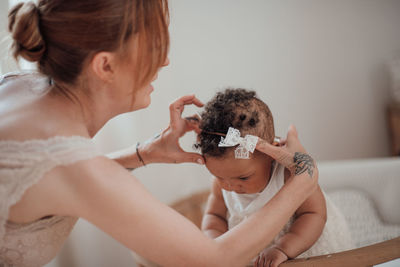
(318, 64)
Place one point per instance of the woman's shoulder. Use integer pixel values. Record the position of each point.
(29, 112)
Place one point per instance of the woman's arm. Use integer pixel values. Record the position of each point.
(214, 221)
(129, 158)
(124, 209)
(310, 219)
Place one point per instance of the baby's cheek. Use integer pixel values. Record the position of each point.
(258, 187)
(224, 185)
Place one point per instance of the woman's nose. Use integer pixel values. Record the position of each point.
(166, 62)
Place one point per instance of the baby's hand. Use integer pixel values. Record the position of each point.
(270, 257)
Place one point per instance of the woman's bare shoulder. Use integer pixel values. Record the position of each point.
(29, 112)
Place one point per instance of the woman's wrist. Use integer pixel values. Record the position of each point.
(127, 157)
(150, 151)
(138, 155)
(146, 153)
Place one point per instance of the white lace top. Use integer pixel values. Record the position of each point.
(22, 164)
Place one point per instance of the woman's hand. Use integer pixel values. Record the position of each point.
(166, 147)
(292, 155)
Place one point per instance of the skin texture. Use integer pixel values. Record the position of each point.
(104, 193)
(246, 176)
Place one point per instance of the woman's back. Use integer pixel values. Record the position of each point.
(28, 111)
(19, 93)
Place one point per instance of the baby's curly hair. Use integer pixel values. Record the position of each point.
(238, 108)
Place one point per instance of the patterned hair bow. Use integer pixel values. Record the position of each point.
(246, 144)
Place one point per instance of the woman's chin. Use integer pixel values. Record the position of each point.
(142, 105)
(144, 100)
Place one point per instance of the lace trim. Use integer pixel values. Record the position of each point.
(24, 163)
(16, 74)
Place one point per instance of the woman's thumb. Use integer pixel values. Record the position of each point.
(292, 134)
(193, 157)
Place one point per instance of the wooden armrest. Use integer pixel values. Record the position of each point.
(364, 256)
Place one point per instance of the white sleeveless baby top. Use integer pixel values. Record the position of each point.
(334, 238)
(23, 164)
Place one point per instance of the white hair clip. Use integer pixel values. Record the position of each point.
(246, 144)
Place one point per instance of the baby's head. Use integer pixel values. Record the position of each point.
(242, 110)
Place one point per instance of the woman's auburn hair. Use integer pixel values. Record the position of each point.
(61, 36)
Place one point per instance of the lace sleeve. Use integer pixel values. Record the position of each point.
(22, 164)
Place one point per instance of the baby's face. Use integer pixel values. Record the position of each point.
(244, 176)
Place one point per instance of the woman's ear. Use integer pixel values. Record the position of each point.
(103, 65)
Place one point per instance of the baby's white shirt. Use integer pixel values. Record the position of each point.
(334, 238)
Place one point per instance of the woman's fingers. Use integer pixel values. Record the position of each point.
(193, 123)
(189, 157)
(282, 142)
(292, 156)
(292, 140)
(280, 154)
(259, 262)
(178, 127)
(192, 99)
(177, 107)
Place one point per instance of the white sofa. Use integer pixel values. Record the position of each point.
(367, 191)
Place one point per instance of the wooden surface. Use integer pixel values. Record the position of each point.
(193, 206)
(364, 256)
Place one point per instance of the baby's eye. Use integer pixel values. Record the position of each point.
(243, 178)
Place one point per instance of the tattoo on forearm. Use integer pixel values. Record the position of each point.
(303, 163)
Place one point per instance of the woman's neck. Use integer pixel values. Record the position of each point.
(86, 110)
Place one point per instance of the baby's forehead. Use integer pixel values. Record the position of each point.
(228, 163)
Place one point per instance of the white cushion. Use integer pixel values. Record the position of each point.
(364, 220)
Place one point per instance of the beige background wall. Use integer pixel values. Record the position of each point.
(321, 65)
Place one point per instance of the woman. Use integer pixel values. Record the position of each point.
(96, 60)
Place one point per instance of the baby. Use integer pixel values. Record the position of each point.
(245, 180)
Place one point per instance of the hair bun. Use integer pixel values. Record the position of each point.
(23, 23)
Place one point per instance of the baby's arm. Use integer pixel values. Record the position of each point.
(310, 219)
(214, 221)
